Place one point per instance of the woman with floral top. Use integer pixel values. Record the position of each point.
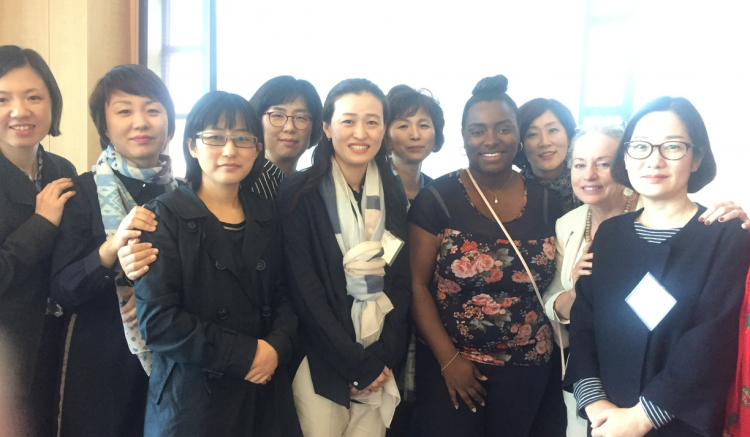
(485, 356)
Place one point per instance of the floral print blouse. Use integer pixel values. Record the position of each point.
(482, 292)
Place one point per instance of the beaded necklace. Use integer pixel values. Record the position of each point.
(587, 232)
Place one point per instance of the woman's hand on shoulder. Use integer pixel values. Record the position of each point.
(462, 379)
(724, 211)
(583, 265)
(50, 202)
(135, 258)
(264, 364)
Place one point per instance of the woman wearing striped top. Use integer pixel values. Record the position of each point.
(668, 373)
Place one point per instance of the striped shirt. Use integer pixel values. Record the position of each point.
(590, 390)
(269, 181)
(654, 235)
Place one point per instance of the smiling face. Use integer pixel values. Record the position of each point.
(137, 127)
(356, 129)
(657, 178)
(592, 182)
(286, 143)
(412, 138)
(546, 144)
(25, 109)
(227, 164)
(490, 137)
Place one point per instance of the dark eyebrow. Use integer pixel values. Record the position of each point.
(30, 90)
(551, 122)
(477, 125)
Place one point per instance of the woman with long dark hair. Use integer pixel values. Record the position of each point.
(344, 225)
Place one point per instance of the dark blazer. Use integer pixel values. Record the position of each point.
(26, 242)
(318, 290)
(686, 363)
(201, 309)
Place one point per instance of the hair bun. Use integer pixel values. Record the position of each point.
(498, 84)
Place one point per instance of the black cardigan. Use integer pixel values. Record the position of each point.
(685, 365)
(26, 243)
(318, 290)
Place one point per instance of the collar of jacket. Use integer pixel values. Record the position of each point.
(190, 206)
(18, 187)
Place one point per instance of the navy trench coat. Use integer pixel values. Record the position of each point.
(202, 308)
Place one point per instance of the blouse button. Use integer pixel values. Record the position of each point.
(355, 383)
(261, 265)
(220, 266)
(266, 311)
(191, 225)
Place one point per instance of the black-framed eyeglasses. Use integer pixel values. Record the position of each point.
(671, 150)
(279, 119)
(214, 139)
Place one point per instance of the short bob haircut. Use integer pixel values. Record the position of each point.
(405, 101)
(286, 89)
(696, 129)
(530, 111)
(207, 112)
(613, 131)
(130, 79)
(12, 57)
(487, 90)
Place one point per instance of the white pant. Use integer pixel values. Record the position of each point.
(577, 426)
(320, 417)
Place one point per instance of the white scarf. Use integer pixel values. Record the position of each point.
(115, 202)
(359, 235)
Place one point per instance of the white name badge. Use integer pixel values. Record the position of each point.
(391, 247)
(650, 301)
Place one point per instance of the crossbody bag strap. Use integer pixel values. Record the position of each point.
(523, 261)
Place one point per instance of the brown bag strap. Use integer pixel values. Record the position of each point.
(523, 261)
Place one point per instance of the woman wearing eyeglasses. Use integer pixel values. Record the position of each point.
(104, 378)
(213, 307)
(653, 332)
(290, 110)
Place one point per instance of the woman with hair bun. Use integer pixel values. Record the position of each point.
(482, 244)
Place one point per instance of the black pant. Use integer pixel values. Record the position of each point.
(552, 417)
(514, 394)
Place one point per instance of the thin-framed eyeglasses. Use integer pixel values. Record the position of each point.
(671, 150)
(214, 139)
(279, 119)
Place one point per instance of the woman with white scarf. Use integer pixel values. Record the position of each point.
(104, 379)
(344, 223)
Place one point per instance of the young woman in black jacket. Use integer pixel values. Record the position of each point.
(213, 307)
(344, 220)
(32, 182)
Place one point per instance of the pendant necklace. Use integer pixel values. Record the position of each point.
(494, 194)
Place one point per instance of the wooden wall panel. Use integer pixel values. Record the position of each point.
(81, 40)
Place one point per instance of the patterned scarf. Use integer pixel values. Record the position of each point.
(561, 186)
(359, 235)
(115, 202)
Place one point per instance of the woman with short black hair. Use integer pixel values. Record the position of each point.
(104, 378)
(415, 130)
(290, 110)
(662, 286)
(32, 185)
(213, 307)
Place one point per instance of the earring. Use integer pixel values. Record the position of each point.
(462, 151)
(521, 146)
